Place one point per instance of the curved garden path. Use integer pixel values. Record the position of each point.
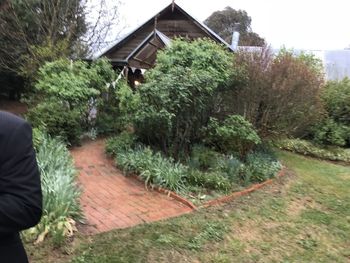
(110, 200)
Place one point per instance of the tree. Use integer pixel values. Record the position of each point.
(225, 22)
(280, 94)
(178, 97)
(33, 32)
(26, 25)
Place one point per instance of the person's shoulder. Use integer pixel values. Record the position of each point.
(10, 121)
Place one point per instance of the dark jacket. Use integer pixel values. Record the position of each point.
(20, 188)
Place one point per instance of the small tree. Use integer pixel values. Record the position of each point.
(280, 95)
(178, 97)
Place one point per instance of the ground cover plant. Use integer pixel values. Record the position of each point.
(61, 208)
(309, 148)
(302, 217)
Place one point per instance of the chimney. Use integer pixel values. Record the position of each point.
(235, 39)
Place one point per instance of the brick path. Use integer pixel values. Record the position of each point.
(111, 200)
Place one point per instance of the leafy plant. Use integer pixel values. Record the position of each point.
(262, 166)
(154, 168)
(57, 120)
(67, 81)
(329, 132)
(120, 143)
(178, 96)
(210, 180)
(336, 96)
(78, 87)
(308, 148)
(203, 158)
(234, 134)
(60, 192)
(233, 169)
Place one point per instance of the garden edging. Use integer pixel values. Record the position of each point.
(234, 195)
(214, 202)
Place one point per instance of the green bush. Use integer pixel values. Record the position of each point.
(213, 180)
(261, 166)
(107, 122)
(330, 132)
(153, 167)
(336, 96)
(120, 143)
(74, 82)
(78, 87)
(310, 149)
(58, 120)
(234, 134)
(178, 96)
(60, 191)
(233, 169)
(203, 158)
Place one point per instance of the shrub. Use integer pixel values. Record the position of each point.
(153, 167)
(234, 134)
(203, 158)
(57, 120)
(233, 169)
(129, 103)
(279, 95)
(107, 122)
(261, 166)
(308, 148)
(66, 81)
(74, 82)
(78, 86)
(213, 180)
(330, 132)
(336, 96)
(178, 96)
(60, 192)
(120, 143)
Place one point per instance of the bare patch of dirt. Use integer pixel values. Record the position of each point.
(296, 206)
(247, 232)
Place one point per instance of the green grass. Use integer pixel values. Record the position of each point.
(302, 217)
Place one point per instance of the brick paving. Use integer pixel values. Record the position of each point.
(110, 200)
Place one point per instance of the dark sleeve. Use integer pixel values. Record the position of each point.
(20, 195)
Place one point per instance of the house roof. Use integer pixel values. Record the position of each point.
(144, 56)
(170, 22)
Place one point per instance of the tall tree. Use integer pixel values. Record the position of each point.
(35, 31)
(225, 22)
(34, 23)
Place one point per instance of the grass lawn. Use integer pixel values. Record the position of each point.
(302, 217)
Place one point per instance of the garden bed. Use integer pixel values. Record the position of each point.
(196, 204)
(205, 176)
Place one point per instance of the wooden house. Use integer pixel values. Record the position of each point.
(138, 49)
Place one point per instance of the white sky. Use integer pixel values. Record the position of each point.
(304, 24)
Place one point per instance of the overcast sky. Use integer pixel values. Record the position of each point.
(304, 24)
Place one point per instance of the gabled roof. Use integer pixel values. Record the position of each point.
(144, 56)
(123, 49)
